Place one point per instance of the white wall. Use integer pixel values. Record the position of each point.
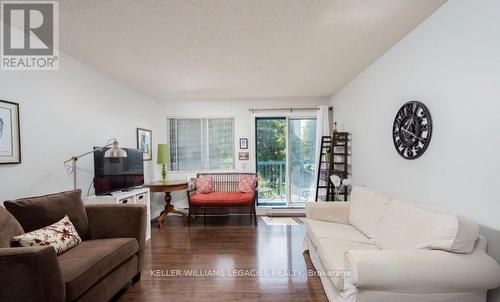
(65, 113)
(239, 109)
(451, 62)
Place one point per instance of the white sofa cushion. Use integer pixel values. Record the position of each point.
(337, 212)
(407, 226)
(331, 252)
(421, 271)
(321, 229)
(367, 209)
(468, 234)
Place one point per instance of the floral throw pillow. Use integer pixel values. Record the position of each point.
(247, 184)
(203, 185)
(62, 235)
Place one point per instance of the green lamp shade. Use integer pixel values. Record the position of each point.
(163, 154)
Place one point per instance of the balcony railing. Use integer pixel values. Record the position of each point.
(272, 181)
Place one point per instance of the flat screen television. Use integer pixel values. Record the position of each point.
(115, 174)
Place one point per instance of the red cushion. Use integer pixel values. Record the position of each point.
(222, 199)
(203, 185)
(247, 183)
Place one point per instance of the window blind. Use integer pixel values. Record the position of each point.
(199, 144)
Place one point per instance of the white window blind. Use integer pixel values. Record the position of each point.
(198, 144)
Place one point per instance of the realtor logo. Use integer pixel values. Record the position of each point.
(30, 35)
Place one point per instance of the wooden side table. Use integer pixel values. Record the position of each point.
(168, 187)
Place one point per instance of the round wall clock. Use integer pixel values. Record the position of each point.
(412, 130)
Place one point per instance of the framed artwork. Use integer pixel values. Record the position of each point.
(145, 143)
(243, 156)
(10, 133)
(243, 143)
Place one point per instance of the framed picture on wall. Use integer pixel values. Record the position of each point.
(243, 143)
(145, 143)
(244, 156)
(10, 133)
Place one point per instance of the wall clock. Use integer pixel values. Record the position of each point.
(412, 129)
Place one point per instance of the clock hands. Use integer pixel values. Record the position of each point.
(405, 129)
(411, 133)
(408, 126)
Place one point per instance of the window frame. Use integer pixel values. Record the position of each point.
(205, 142)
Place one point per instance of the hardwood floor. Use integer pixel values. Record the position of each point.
(263, 263)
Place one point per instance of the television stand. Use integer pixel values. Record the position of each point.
(133, 196)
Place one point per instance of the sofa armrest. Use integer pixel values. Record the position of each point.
(30, 274)
(337, 212)
(119, 221)
(418, 271)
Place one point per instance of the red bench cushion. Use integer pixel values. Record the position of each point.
(222, 199)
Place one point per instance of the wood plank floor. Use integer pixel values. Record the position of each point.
(268, 258)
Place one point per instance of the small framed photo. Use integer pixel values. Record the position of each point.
(243, 143)
(243, 156)
(10, 133)
(145, 143)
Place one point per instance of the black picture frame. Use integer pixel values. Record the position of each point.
(15, 133)
(145, 146)
(243, 143)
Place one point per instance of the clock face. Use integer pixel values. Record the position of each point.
(412, 130)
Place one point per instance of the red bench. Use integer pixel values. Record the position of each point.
(225, 195)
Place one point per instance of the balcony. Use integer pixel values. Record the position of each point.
(273, 182)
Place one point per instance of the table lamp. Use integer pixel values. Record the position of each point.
(163, 159)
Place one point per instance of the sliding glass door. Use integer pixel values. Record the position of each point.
(301, 154)
(285, 157)
(271, 137)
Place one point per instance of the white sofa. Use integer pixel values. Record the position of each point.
(375, 249)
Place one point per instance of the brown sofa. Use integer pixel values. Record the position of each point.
(108, 258)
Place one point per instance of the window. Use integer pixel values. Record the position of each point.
(198, 144)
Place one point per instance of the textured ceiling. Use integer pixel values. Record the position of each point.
(225, 49)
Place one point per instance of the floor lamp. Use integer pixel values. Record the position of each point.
(114, 152)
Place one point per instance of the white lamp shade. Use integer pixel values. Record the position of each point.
(335, 180)
(115, 151)
(346, 182)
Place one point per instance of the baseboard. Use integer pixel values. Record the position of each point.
(261, 211)
(295, 212)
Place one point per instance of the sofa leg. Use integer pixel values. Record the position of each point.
(136, 278)
(205, 216)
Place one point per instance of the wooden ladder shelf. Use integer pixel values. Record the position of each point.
(339, 163)
(324, 167)
(333, 160)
